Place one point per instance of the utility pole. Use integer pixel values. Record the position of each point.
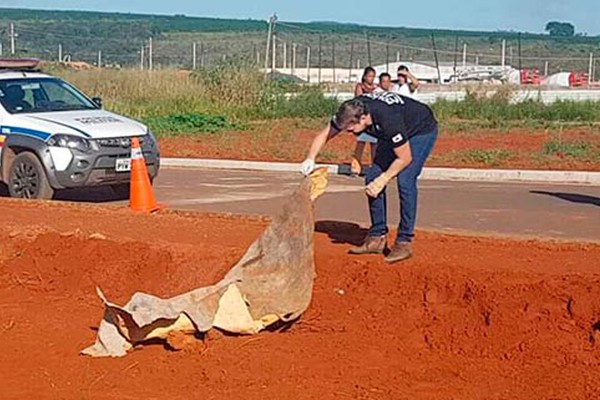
(272, 22)
(60, 56)
(12, 36)
(150, 61)
(387, 56)
(368, 48)
(142, 57)
(437, 62)
(464, 56)
(546, 68)
(99, 58)
(351, 61)
(308, 64)
(591, 70)
(274, 61)
(294, 58)
(520, 60)
(503, 54)
(333, 60)
(320, 56)
(202, 55)
(455, 59)
(397, 56)
(0, 49)
(284, 55)
(194, 57)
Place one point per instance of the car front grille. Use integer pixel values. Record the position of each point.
(122, 142)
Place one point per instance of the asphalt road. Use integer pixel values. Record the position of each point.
(536, 210)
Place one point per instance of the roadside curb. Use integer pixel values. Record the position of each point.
(500, 175)
(439, 174)
(245, 165)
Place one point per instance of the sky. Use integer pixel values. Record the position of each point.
(488, 15)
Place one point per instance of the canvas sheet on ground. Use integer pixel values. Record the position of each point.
(272, 282)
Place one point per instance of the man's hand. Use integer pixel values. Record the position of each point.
(307, 166)
(374, 188)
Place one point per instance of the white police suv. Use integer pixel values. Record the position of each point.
(53, 137)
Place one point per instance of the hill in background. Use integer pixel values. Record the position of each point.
(120, 37)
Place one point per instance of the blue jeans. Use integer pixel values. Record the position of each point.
(421, 146)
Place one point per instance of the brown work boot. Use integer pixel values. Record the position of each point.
(400, 252)
(372, 245)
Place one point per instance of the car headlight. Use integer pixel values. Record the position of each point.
(71, 142)
(151, 138)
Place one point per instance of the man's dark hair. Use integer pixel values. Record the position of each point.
(384, 75)
(349, 113)
(402, 68)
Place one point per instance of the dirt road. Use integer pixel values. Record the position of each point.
(552, 211)
(468, 318)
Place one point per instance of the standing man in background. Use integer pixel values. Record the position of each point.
(385, 83)
(407, 83)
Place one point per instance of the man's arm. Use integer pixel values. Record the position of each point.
(358, 90)
(403, 159)
(319, 141)
(414, 82)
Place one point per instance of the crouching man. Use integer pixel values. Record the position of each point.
(406, 131)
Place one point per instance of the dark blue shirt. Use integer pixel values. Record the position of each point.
(397, 118)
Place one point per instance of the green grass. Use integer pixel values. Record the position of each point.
(236, 91)
(568, 149)
(500, 113)
(240, 94)
(328, 156)
(488, 158)
(190, 123)
(308, 102)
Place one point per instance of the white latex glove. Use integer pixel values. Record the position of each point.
(307, 166)
(374, 188)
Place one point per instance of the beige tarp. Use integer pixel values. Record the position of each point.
(272, 282)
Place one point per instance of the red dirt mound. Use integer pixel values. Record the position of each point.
(467, 318)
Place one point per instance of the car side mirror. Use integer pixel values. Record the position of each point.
(97, 101)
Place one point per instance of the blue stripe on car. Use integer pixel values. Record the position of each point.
(15, 130)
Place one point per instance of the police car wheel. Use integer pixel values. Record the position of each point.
(27, 178)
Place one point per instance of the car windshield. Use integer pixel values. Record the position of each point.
(38, 95)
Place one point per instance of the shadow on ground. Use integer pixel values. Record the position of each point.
(87, 195)
(571, 197)
(342, 232)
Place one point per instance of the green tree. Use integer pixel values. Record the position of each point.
(564, 29)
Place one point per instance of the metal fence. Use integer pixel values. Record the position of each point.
(293, 48)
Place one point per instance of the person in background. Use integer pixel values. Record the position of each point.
(407, 83)
(385, 83)
(367, 85)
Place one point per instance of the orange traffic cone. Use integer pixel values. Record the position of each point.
(141, 196)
